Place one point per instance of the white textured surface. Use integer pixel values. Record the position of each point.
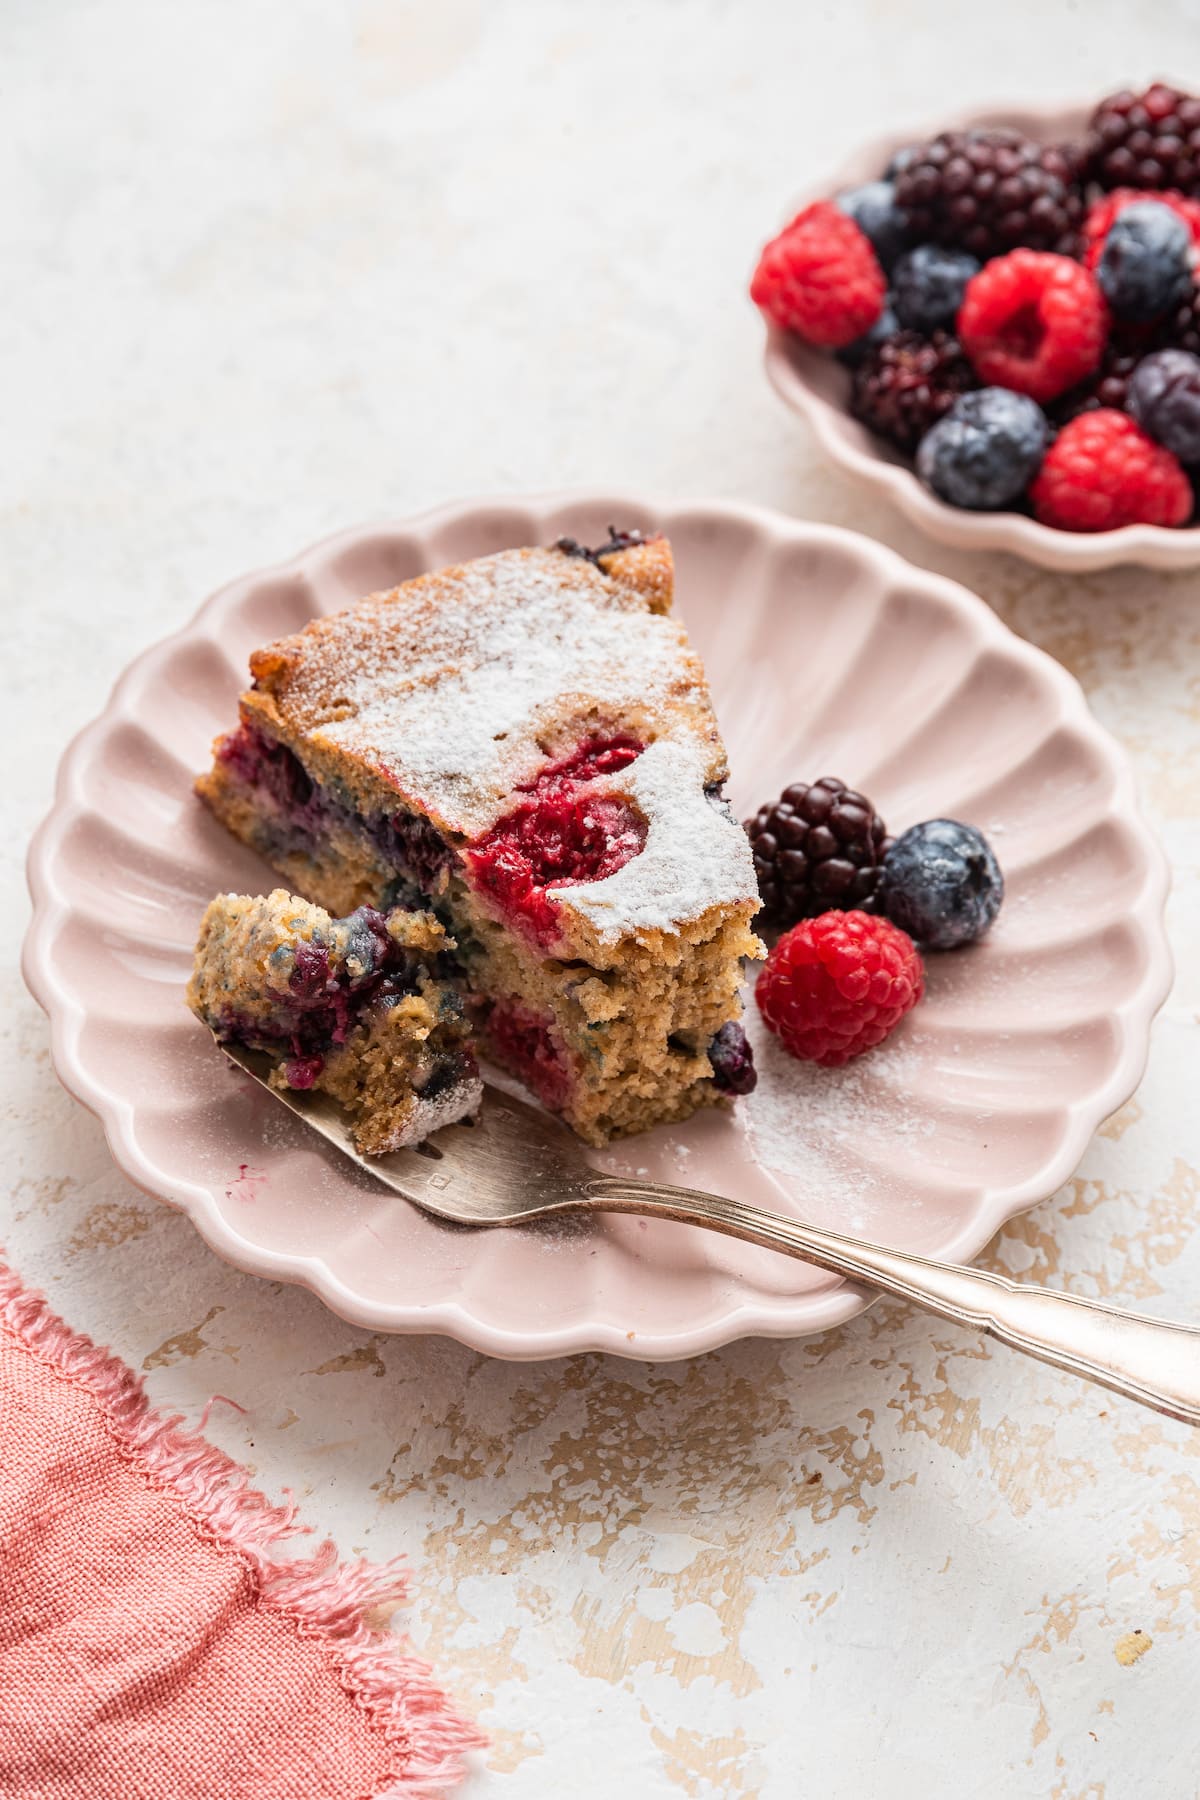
(271, 269)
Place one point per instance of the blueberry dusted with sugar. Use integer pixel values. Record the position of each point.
(1145, 269)
(874, 210)
(986, 450)
(1164, 398)
(819, 847)
(732, 1060)
(928, 285)
(942, 884)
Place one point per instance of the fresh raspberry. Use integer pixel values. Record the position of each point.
(1103, 471)
(820, 278)
(1103, 213)
(1034, 322)
(836, 985)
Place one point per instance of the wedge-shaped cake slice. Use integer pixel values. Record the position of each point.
(525, 745)
(358, 1007)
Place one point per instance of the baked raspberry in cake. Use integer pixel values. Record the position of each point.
(358, 1007)
(526, 746)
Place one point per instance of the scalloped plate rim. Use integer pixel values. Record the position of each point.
(1145, 546)
(775, 1318)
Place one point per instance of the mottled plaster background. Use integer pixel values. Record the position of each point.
(270, 269)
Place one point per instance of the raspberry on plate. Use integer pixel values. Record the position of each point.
(820, 278)
(1164, 398)
(836, 985)
(1103, 471)
(986, 450)
(1033, 322)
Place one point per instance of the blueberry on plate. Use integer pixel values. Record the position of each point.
(885, 326)
(873, 209)
(986, 450)
(1145, 267)
(928, 284)
(942, 884)
(1164, 397)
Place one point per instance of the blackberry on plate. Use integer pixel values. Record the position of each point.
(987, 191)
(942, 884)
(1149, 140)
(928, 285)
(819, 847)
(986, 450)
(1145, 268)
(908, 382)
(732, 1060)
(1164, 398)
(873, 209)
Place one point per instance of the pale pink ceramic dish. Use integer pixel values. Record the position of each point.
(827, 654)
(816, 385)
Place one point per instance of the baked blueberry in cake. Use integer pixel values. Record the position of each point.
(358, 1007)
(524, 745)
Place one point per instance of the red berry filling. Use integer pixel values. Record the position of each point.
(560, 836)
(524, 1043)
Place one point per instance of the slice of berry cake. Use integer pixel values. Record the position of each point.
(358, 1007)
(524, 744)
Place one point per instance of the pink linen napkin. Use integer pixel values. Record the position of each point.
(151, 1646)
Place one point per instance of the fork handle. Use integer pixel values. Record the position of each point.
(1147, 1359)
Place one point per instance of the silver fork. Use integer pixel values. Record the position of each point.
(515, 1164)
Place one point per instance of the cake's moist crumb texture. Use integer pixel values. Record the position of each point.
(359, 1007)
(526, 746)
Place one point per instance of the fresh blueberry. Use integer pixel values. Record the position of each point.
(732, 1060)
(942, 884)
(1164, 397)
(986, 450)
(1146, 265)
(885, 326)
(928, 285)
(873, 209)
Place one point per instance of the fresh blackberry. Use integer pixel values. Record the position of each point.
(1109, 386)
(819, 847)
(908, 383)
(987, 191)
(1149, 140)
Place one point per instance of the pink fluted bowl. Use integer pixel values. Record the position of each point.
(827, 655)
(813, 383)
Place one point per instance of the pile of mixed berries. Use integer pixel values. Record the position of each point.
(1023, 318)
(851, 905)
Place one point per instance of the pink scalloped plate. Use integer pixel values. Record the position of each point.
(827, 654)
(814, 384)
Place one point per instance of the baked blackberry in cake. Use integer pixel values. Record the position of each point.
(524, 745)
(358, 1007)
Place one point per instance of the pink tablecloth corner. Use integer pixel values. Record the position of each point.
(151, 1645)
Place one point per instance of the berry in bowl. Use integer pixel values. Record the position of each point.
(998, 326)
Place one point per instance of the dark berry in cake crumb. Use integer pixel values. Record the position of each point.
(928, 285)
(987, 191)
(732, 1060)
(907, 383)
(1103, 471)
(942, 884)
(855, 354)
(368, 946)
(617, 541)
(1145, 268)
(1164, 398)
(820, 278)
(310, 976)
(986, 450)
(835, 986)
(819, 846)
(1146, 140)
(873, 209)
(1033, 322)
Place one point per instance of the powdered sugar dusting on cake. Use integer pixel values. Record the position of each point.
(500, 654)
(696, 854)
(460, 1101)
